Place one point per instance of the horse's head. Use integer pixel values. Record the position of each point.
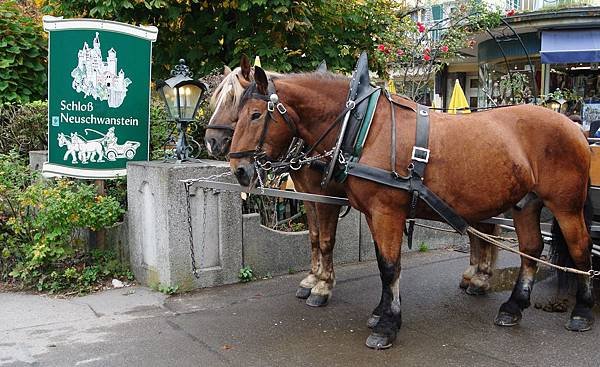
(62, 140)
(224, 103)
(262, 132)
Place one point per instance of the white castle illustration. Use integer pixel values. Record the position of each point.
(97, 78)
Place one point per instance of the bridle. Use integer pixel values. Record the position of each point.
(273, 105)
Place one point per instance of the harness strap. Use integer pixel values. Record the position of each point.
(393, 147)
(220, 127)
(420, 152)
(384, 177)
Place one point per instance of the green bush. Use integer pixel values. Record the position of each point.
(39, 222)
(23, 50)
(24, 127)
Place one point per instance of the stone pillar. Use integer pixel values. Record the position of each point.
(37, 158)
(159, 240)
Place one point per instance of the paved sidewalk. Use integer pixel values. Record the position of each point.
(263, 324)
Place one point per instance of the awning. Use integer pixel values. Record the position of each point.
(570, 46)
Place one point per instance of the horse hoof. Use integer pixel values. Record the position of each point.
(378, 341)
(464, 283)
(475, 291)
(578, 323)
(302, 292)
(372, 321)
(317, 300)
(507, 319)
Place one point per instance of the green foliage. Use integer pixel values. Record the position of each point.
(416, 51)
(39, 222)
(246, 274)
(23, 127)
(286, 34)
(22, 55)
(168, 290)
(423, 247)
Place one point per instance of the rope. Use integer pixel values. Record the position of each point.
(494, 241)
(490, 239)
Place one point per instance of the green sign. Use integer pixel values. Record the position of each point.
(98, 96)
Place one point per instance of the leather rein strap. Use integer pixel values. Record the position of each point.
(413, 183)
(220, 127)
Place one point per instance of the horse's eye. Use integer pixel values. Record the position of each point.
(256, 116)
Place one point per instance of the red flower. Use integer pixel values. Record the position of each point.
(399, 52)
(381, 47)
(426, 57)
(444, 48)
(421, 28)
(511, 12)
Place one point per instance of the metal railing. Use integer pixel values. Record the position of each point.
(533, 5)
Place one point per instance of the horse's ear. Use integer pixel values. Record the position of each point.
(245, 66)
(322, 68)
(226, 70)
(262, 82)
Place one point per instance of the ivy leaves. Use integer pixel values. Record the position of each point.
(22, 56)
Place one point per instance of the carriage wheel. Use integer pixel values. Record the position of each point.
(111, 156)
(130, 154)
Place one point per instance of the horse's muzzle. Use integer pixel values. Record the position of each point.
(218, 147)
(245, 174)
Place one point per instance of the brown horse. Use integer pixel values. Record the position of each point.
(317, 286)
(480, 164)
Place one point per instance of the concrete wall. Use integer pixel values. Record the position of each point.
(224, 239)
(159, 238)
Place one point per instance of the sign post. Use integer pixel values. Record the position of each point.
(98, 96)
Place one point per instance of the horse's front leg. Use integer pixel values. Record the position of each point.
(527, 225)
(387, 230)
(311, 280)
(327, 216)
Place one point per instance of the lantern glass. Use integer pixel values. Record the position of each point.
(170, 97)
(553, 105)
(189, 97)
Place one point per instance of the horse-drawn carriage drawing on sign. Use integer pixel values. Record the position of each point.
(82, 150)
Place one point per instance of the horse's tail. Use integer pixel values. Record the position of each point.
(559, 253)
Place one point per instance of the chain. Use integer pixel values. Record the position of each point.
(190, 230)
(211, 177)
(187, 184)
(258, 174)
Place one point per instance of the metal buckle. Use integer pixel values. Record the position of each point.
(281, 109)
(350, 104)
(416, 150)
(270, 106)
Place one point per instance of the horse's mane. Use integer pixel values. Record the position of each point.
(314, 75)
(232, 81)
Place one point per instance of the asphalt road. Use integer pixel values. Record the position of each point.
(263, 324)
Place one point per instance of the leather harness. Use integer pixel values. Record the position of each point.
(353, 116)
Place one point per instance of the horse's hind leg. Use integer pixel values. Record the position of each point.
(578, 241)
(527, 225)
(476, 279)
(311, 279)
(327, 216)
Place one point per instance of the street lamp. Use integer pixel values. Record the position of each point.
(182, 96)
(555, 105)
